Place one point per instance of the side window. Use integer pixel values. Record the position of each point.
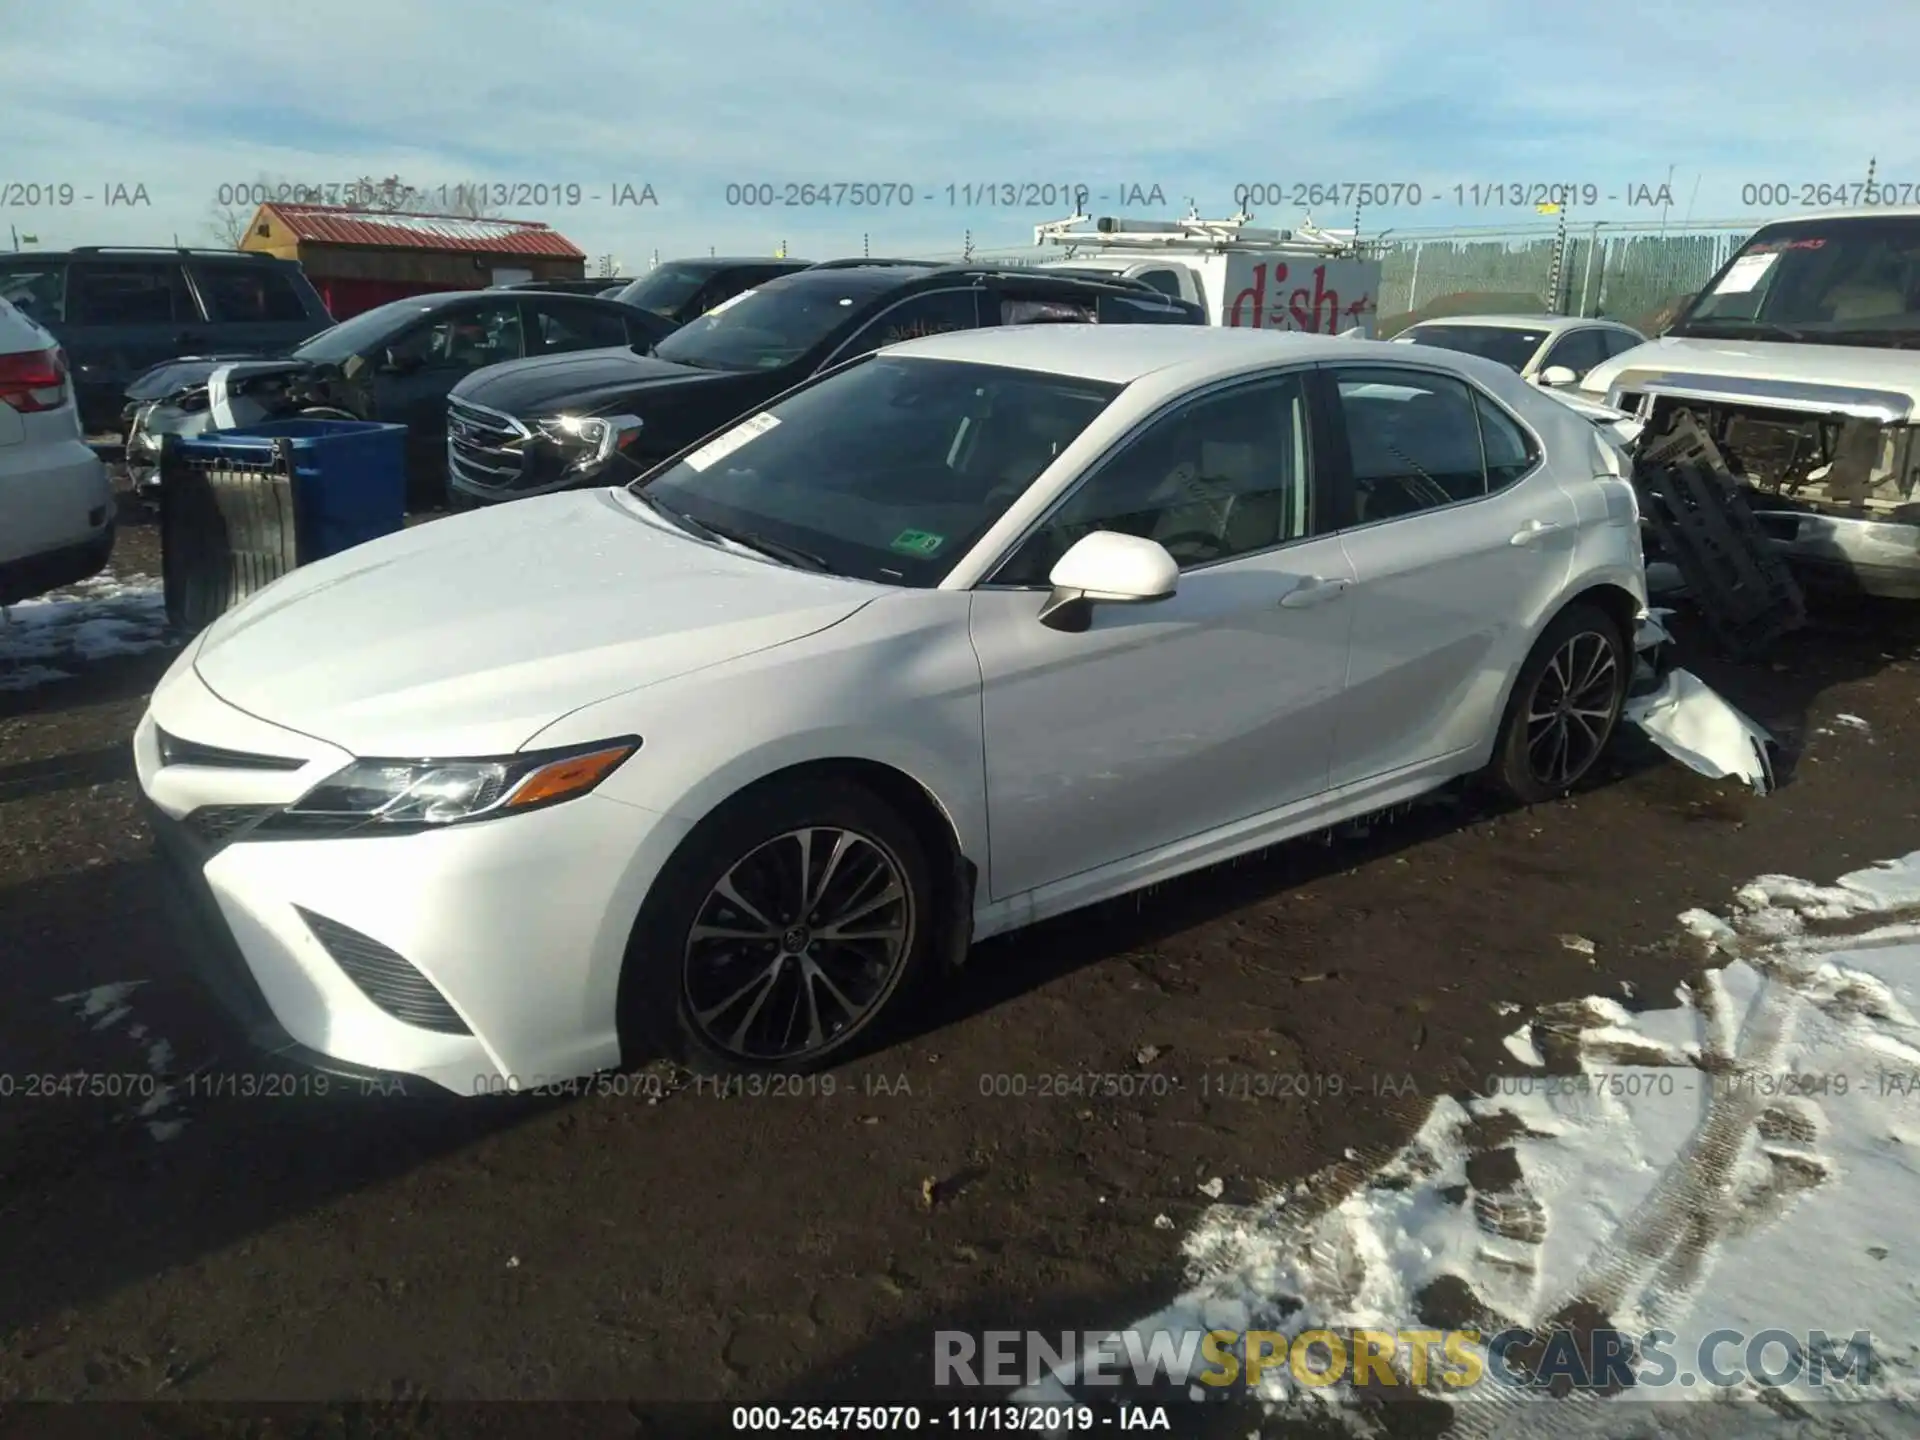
(1620, 341)
(724, 287)
(1221, 476)
(1414, 441)
(466, 339)
(1165, 281)
(37, 289)
(578, 327)
(1579, 351)
(1510, 451)
(1125, 310)
(248, 294)
(931, 314)
(129, 294)
(1057, 310)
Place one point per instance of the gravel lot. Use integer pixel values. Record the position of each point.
(679, 1245)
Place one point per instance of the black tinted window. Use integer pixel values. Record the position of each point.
(932, 314)
(1414, 440)
(889, 470)
(1579, 351)
(36, 288)
(578, 327)
(154, 293)
(773, 325)
(1165, 281)
(256, 294)
(1123, 310)
(1223, 476)
(1509, 450)
(1501, 344)
(1621, 341)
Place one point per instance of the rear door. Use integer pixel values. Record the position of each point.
(253, 307)
(1459, 537)
(123, 315)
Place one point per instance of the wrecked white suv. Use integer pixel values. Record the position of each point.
(1801, 360)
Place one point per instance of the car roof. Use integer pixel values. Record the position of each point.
(1121, 354)
(713, 263)
(150, 252)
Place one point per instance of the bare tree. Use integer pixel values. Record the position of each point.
(395, 194)
(228, 224)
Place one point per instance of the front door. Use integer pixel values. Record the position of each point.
(434, 356)
(1166, 720)
(1457, 543)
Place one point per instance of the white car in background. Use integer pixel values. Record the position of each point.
(56, 502)
(978, 629)
(1549, 350)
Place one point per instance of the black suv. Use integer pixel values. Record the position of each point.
(604, 417)
(683, 290)
(118, 310)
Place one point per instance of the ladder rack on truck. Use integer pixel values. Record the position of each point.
(1194, 235)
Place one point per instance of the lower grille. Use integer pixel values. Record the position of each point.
(385, 977)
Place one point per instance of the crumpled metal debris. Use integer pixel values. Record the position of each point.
(1688, 720)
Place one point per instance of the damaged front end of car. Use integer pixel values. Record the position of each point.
(1831, 472)
(224, 397)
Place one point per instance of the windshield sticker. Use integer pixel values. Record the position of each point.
(918, 542)
(1745, 274)
(743, 433)
(731, 301)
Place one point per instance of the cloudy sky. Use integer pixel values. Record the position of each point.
(179, 98)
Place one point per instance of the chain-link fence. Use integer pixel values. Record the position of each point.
(1635, 274)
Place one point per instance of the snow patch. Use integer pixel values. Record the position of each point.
(1744, 1160)
(42, 639)
(103, 1008)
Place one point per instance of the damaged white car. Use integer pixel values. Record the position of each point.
(1801, 361)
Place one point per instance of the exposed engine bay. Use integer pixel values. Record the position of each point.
(1804, 461)
(198, 397)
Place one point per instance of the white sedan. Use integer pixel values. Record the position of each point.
(979, 629)
(1550, 350)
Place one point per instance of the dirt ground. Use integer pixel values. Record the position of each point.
(684, 1246)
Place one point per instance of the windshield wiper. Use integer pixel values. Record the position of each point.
(752, 540)
(1703, 328)
(673, 517)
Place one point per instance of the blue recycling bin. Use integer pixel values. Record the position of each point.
(348, 477)
(240, 508)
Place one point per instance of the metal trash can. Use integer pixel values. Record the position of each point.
(240, 508)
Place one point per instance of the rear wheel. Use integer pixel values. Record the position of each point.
(792, 925)
(1564, 708)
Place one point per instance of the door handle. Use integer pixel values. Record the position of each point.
(1533, 531)
(1313, 590)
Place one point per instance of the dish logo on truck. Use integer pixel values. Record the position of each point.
(1325, 296)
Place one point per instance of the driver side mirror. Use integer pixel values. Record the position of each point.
(1107, 568)
(1555, 376)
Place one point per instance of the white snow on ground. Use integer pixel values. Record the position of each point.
(1682, 1185)
(107, 615)
(154, 1097)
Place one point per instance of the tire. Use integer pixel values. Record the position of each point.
(1584, 639)
(672, 979)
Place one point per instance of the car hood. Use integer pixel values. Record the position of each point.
(467, 636)
(172, 376)
(1763, 362)
(584, 382)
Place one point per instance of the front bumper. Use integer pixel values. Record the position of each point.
(516, 927)
(1869, 557)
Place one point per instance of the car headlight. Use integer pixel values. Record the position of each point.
(404, 795)
(589, 440)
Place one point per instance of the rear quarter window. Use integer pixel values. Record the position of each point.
(1124, 310)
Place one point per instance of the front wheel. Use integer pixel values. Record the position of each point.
(1564, 708)
(789, 927)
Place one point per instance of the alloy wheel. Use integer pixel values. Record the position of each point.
(798, 944)
(1571, 712)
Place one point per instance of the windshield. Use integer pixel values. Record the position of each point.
(889, 470)
(361, 334)
(1500, 343)
(665, 290)
(1852, 281)
(766, 328)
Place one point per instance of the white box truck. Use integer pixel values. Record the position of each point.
(1302, 279)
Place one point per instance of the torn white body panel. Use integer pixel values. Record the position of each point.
(1685, 718)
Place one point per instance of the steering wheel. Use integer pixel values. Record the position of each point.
(1212, 545)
